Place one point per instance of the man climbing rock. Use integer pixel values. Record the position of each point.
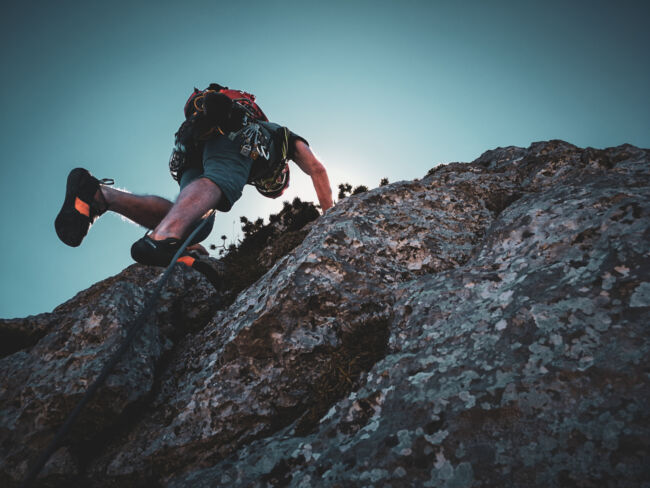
(225, 142)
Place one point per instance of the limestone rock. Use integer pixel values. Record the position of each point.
(483, 326)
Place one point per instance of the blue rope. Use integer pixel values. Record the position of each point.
(108, 367)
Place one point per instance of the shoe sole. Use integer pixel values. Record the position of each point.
(72, 226)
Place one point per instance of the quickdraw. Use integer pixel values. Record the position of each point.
(254, 141)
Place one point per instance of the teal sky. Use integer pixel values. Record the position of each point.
(380, 89)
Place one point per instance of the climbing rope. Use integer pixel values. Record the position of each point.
(108, 367)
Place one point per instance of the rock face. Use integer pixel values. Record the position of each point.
(486, 325)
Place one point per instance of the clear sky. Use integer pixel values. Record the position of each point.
(380, 89)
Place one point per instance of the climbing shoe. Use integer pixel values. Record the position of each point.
(80, 207)
(160, 253)
(155, 253)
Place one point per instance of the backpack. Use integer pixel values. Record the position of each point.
(270, 172)
(246, 100)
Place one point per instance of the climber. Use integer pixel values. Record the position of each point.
(225, 142)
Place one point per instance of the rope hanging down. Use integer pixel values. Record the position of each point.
(108, 367)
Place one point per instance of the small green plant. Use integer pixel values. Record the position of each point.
(345, 189)
(263, 244)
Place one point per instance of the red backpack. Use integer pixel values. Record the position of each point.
(247, 100)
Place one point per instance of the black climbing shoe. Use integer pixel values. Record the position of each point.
(80, 209)
(160, 253)
(155, 253)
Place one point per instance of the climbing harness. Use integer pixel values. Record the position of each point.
(268, 146)
(276, 184)
(108, 367)
(198, 127)
(271, 177)
(245, 123)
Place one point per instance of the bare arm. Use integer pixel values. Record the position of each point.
(307, 161)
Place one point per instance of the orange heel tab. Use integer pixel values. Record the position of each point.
(82, 207)
(187, 260)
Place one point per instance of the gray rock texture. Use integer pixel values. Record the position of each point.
(486, 325)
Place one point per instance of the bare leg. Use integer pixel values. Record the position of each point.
(167, 219)
(146, 210)
(193, 202)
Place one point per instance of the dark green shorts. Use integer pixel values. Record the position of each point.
(225, 166)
